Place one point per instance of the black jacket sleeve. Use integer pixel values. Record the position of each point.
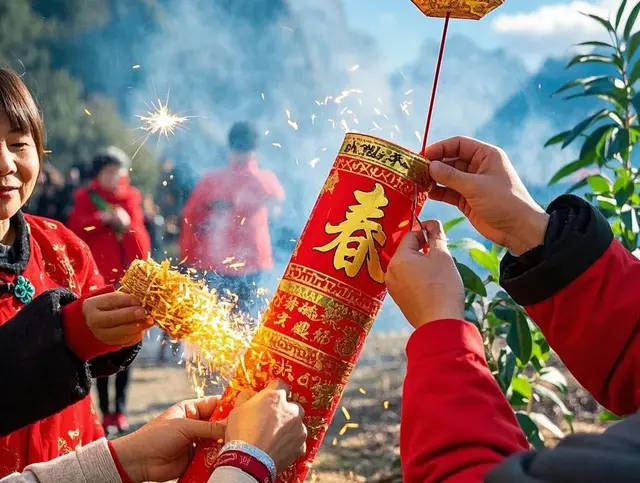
(577, 236)
(109, 364)
(40, 375)
(580, 458)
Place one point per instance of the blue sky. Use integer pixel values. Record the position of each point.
(535, 29)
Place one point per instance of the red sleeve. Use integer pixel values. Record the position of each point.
(593, 324)
(456, 423)
(85, 217)
(581, 288)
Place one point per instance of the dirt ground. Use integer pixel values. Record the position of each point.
(368, 453)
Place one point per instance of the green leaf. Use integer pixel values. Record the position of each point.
(506, 368)
(553, 376)
(471, 280)
(623, 188)
(579, 129)
(519, 339)
(604, 22)
(558, 138)
(619, 144)
(469, 243)
(585, 81)
(623, 5)
(590, 59)
(553, 397)
(631, 21)
(635, 73)
(522, 385)
(590, 148)
(630, 219)
(580, 184)
(449, 225)
(486, 260)
(542, 420)
(636, 103)
(599, 184)
(633, 44)
(530, 429)
(607, 415)
(595, 43)
(569, 169)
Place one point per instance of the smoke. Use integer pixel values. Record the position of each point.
(299, 72)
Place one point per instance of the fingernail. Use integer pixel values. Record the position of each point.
(140, 314)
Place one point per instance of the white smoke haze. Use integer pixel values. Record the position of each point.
(304, 77)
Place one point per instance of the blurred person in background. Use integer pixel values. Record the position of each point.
(154, 223)
(76, 177)
(225, 224)
(108, 216)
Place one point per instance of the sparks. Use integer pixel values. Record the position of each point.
(160, 120)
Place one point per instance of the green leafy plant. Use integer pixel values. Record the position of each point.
(516, 350)
(609, 135)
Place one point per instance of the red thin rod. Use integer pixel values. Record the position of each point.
(435, 82)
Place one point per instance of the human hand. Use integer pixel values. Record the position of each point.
(426, 287)
(116, 318)
(270, 423)
(480, 180)
(121, 217)
(162, 449)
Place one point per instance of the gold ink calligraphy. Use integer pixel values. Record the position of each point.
(351, 249)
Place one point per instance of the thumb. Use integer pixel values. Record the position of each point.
(449, 176)
(194, 429)
(437, 236)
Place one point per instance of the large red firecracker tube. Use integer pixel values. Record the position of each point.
(331, 291)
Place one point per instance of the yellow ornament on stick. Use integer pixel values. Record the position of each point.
(461, 9)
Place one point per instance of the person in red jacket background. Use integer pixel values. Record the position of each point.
(225, 227)
(576, 282)
(59, 325)
(108, 216)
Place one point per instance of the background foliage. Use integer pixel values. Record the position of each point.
(516, 350)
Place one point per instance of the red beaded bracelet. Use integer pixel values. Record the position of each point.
(245, 462)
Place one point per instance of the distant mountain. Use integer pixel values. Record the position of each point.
(474, 83)
(532, 115)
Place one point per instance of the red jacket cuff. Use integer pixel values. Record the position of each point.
(442, 336)
(77, 334)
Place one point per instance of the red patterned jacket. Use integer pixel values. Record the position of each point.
(48, 355)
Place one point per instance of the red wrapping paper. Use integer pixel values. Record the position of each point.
(331, 291)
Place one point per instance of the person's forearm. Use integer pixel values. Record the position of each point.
(580, 289)
(456, 423)
(41, 374)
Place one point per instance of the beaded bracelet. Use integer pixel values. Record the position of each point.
(251, 450)
(245, 462)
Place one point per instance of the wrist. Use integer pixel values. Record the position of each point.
(125, 460)
(531, 234)
(443, 313)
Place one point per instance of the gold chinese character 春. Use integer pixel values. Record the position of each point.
(358, 234)
(291, 303)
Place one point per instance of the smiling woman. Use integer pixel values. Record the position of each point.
(57, 331)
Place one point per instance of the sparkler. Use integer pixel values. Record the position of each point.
(159, 120)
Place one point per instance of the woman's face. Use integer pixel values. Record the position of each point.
(19, 167)
(111, 175)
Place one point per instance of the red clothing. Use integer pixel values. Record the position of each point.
(581, 291)
(225, 221)
(57, 259)
(113, 252)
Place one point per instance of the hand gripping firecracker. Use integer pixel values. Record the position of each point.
(331, 291)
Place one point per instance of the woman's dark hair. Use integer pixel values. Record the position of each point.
(17, 103)
(243, 137)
